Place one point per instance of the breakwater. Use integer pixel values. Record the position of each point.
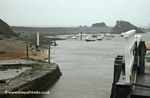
(39, 78)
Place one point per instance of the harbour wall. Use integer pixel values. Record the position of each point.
(38, 79)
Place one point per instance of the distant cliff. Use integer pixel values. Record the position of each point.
(5, 29)
(102, 27)
(123, 26)
(102, 24)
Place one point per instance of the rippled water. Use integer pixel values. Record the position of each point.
(87, 68)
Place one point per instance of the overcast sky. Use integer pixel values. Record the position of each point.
(74, 12)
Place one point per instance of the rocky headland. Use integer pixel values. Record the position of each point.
(123, 26)
(5, 29)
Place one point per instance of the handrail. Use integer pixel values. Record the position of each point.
(131, 41)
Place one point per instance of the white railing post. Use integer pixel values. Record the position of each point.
(38, 40)
(129, 55)
(138, 38)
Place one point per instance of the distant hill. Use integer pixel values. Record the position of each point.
(123, 26)
(5, 29)
(146, 29)
(61, 30)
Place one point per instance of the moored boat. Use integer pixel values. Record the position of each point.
(99, 37)
(88, 38)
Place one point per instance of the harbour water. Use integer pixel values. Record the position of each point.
(87, 67)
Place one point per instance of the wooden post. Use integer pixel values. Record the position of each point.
(81, 36)
(55, 40)
(27, 50)
(117, 72)
(142, 52)
(123, 90)
(49, 47)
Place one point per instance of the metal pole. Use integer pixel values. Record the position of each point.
(49, 47)
(55, 40)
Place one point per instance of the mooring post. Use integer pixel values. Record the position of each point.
(117, 72)
(49, 47)
(142, 52)
(81, 36)
(123, 90)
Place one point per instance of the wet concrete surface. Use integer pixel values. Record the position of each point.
(12, 68)
(10, 73)
(31, 79)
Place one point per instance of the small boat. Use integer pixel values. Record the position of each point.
(89, 39)
(108, 38)
(112, 35)
(99, 37)
(122, 34)
(109, 35)
(74, 37)
(94, 35)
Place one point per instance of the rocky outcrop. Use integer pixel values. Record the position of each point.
(5, 29)
(123, 26)
(100, 27)
(102, 24)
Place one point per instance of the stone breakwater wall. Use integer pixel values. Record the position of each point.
(39, 78)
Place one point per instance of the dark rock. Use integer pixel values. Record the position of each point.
(5, 29)
(123, 26)
(2, 52)
(2, 81)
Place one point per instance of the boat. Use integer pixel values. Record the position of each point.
(88, 38)
(109, 35)
(74, 37)
(94, 35)
(99, 37)
(108, 38)
(122, 34)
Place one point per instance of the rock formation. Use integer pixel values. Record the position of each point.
(5, 29)
(102, 24)
(123, 26)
